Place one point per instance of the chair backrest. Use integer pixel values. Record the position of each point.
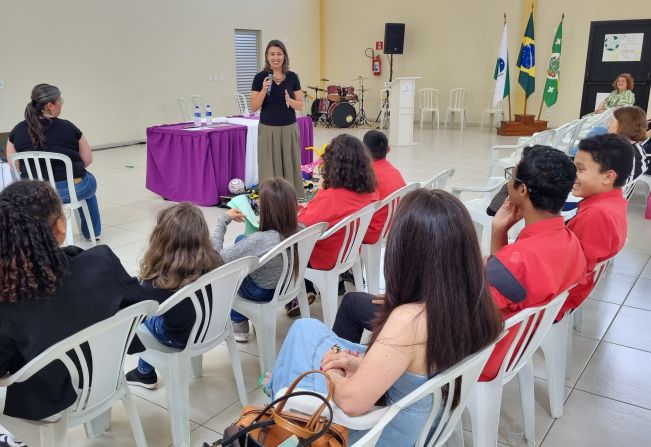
(530, 326)
(441, 389)
(563, 136)
(429, 98)
(93, 357)
(300, 244)
(391, 203)
(241, 104)
(629, 188)
(457, 98)
(603, 119)
(494, 108)
(354, 229)
(35, 162)
(439, 180)
(184, 108)
(212, 296)
(198, 100)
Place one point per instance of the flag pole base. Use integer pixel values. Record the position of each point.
(522, 125)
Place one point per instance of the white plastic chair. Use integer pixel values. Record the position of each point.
(184, 107)
(212, 326)
(353, 228)
(371, 253)
(477, 207)
(33, 159)
(439, 180)
(99, 380)
(498, 163)
(492, 111)
(241, 104)
(429, 102)
(290, 285)
(563, 136)
(457, 104)
(531, 326)
(557, 349)
(198, 100)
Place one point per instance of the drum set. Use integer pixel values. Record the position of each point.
(337, 106)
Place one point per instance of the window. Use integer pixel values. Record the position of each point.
(247, 60)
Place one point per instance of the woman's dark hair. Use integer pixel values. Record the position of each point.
(42, 95)
(632, 123)
(548, 174)
(346, 164)
(612, 153)
(630, 82)
(276, 43)
(377, 143)
(433, 257)
(31, 262)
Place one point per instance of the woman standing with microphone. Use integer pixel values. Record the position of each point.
(276, 91)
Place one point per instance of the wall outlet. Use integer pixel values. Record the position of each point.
(2, 84)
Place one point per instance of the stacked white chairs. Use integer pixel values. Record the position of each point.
(477, 207)
(241, 104)
(429, 103)
(295, 252)
(498, 163)
(212, 296)
(457, 105)
(33, 161)
(440, 180)
(530, 327)
(94, 359)
(563, 136)
(354, 229)
(184, 108)
(492, 111)
(557, 349)
(372, 253)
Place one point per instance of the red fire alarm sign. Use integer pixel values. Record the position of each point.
(379, 45)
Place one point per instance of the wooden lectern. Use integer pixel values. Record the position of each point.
(401, 107)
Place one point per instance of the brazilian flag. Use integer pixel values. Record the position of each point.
(527, 60)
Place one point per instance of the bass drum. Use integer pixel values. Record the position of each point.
(342, 114)
(319, 106)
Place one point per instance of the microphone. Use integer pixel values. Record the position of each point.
(270, 76)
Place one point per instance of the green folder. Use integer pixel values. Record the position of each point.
(241, 202)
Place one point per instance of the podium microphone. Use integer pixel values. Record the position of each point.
(271, 81)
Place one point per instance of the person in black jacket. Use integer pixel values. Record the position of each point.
(48, 293)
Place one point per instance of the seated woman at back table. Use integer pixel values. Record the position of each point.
(347, 185)
(622, 95)
(630, 122)
(437, 310)
(43, 130)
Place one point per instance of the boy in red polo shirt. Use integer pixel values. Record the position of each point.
(546, 259)
(387, 176)
(603, 163)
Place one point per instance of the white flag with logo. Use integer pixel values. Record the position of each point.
(501, 76)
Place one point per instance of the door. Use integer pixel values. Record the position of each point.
(618, 46)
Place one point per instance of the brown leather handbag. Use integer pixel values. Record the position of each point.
(269, 426)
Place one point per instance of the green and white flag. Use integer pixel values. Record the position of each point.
(501, 76)
(550, 94)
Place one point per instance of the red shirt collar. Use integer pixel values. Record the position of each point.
(615, 193)
(551, 224)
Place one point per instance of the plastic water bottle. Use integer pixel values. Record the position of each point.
(197, 116)
(208, 115)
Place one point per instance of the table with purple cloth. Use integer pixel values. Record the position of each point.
(196, 165)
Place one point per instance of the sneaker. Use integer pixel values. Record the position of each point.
(241, 331)
(293, 309)
(7, 440)
(149, 381)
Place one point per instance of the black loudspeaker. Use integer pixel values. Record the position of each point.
(394, 38)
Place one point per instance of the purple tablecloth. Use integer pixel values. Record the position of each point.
(196, 166)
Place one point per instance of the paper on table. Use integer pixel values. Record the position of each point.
(241, 202)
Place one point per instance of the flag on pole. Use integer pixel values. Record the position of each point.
(527, 60)
(501, 76)
(550, 94)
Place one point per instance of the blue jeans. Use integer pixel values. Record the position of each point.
(251, 291)
(85, 191)
(155, 326)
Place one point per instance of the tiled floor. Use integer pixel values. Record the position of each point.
(608, 394)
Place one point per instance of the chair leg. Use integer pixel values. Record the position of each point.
(371, 255)
(266, 336)
(568, 348)
(98, 426)
(55, 434)
(462, 115)
(481, 126)
(525, 379)
(456, 438)
(178, 398)
(134, 419)
(422, 114)
(196, 367)
(484, 407)
(437, 120)
(554, 347)
(89, 222)
(69, 232)
(578, 319)
(234, 354)
(303, 304)
(329, 301)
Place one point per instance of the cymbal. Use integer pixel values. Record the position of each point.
(324, 79)
(359, 78)
(317, 89)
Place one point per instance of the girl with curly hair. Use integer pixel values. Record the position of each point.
(48, 293)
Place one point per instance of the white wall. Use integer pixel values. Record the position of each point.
(121, 64)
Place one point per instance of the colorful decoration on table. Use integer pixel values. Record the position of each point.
(236, 186)
(316, 150)
(310, 169)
